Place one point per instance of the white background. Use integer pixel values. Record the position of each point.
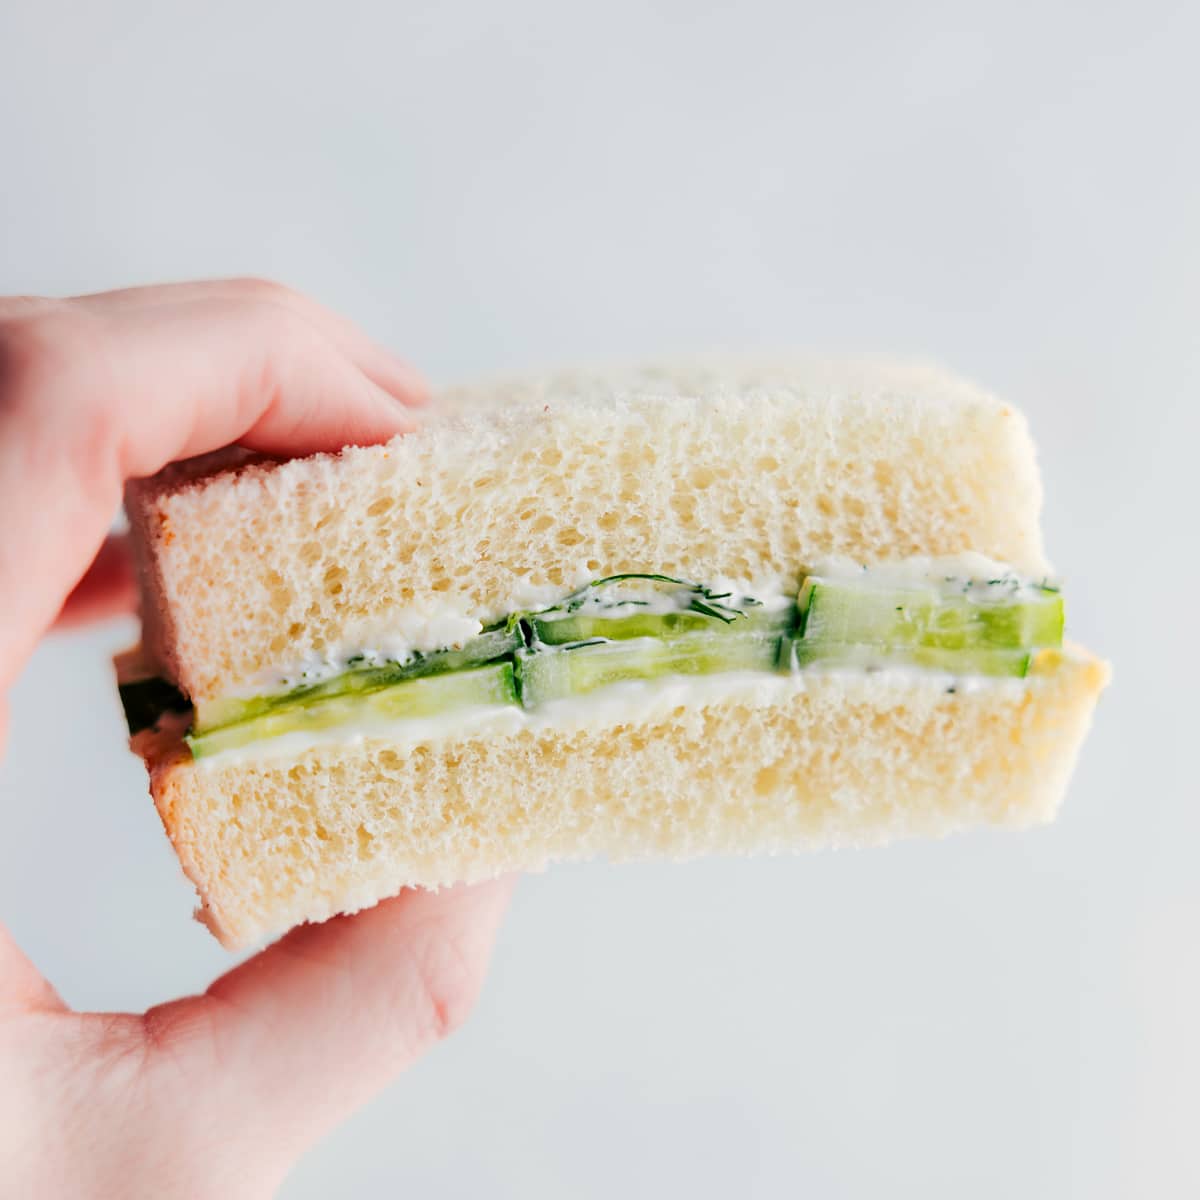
(1012, 188)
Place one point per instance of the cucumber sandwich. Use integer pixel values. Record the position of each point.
(663, 612)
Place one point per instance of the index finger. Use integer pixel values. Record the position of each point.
(101, 389)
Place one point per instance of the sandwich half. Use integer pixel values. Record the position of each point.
(672, 611)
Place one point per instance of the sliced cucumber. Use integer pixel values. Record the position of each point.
(423, 697)
(596, 637)
(577, 627)
(487, 647)
(843, 613)
(979, 660)
(577, 670)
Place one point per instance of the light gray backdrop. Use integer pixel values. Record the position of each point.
(1014, 189)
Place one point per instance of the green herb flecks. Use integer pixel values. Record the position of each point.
(700, 599)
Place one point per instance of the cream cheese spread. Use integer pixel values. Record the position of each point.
(626, 702)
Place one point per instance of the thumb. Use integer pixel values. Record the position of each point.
(307, 1031)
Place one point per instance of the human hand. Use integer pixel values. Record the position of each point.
(218, 1094)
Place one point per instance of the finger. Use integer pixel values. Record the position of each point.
(93, 394)
(107, 589)
(383, 367)
(312, 1027)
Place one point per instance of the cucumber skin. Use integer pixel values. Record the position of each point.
(489, 646)
(575, 671)
(574, 628)
(423, 697)
(842, 613)
(985, 660)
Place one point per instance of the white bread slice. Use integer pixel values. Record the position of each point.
(738, 471)
(853, 759)
(730, 472)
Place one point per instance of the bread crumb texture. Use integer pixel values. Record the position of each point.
(852, 760)
(732, 472)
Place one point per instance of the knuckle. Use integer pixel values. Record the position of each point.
(263, 291)
(280, 314)
(277, 317)
(12, 307)
(54, 378)
(448, 988)
(40, 346)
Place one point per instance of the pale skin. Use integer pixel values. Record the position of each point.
(217, 1094)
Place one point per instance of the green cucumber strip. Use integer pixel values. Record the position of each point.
(562, 630)
(594, 638)
(424, 697)
(980, 660)
(576, 670)
(487, 647)
(843, 613)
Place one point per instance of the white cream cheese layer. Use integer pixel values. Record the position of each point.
(408, 635)
(979, 574)
(450, 628)
(633, 701)
(627, 702)
(644, 596)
